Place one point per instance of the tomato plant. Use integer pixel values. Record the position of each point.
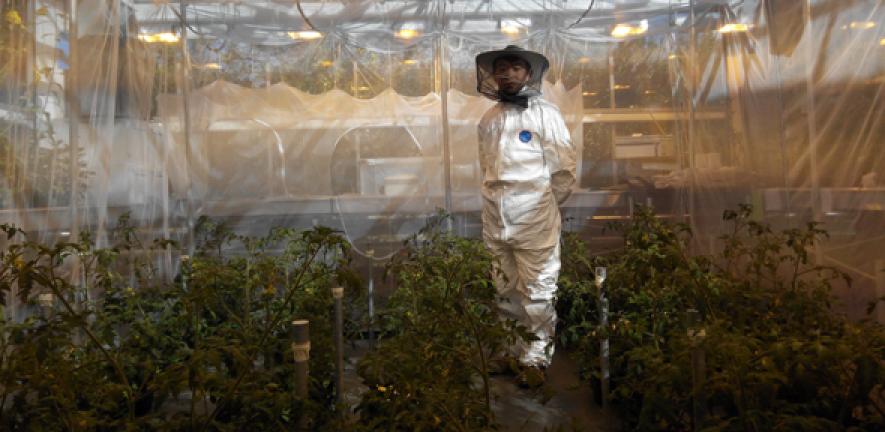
(120, 347)
(778, 357)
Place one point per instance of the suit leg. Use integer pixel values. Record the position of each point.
(538, 271)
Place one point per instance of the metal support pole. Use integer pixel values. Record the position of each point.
(601, 273)
(73, 106)
(338, 295)
(613, 105)
(442, 86)
(371, 295)
(696, 335)
(185, 92)
(692, 107)
(811, 61)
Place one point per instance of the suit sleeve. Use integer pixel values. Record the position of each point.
(563, 170)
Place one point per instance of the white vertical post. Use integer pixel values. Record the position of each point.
(696, 335)
(46, 302)
(604, 343)
(300, 334)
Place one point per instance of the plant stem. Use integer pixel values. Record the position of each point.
(81, 323)
(742, 402)
(455, 419)
(482, 355)
(192, 381)
(875, 404)
(247, 293)
(61, 413)
(3, 402)
(3, 348)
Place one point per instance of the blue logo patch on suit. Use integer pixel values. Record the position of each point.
(525, 136)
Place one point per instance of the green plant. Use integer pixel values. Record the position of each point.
(62, 369)
(251, 299)
(208, 351)
(778, 357)
(36, 164)
(439, 332)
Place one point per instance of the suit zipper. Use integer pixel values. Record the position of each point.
(506, 235)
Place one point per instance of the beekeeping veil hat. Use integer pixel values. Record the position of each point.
(485, 74)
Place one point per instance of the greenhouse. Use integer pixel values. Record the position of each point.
(283, 215)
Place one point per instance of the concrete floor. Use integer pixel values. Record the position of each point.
(565, 403)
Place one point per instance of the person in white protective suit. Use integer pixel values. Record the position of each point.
(527, 161)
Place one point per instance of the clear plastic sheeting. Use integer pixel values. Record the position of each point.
(361, 115)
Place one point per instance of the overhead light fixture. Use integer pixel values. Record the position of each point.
(409, 31)
(584, 60)
(209, 66)
(326, 63)
(625, 30)
(305, 35)
(166, 37)
(733, 28)
(513, 27)
(621, 30)
(672, 56)
(622, 86)
(64, 234)
(510, 30)
(588, 94)
(410, 62)
(882, 42)
(861, 25)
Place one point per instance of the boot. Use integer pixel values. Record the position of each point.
(531, 377)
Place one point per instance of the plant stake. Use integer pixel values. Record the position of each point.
(603, 344)
(338, 295)
(696, 335)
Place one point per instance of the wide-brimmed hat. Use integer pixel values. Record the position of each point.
(537, 62)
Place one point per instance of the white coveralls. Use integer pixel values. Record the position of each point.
(528, 168)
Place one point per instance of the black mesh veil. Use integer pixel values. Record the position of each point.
(485, 75)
